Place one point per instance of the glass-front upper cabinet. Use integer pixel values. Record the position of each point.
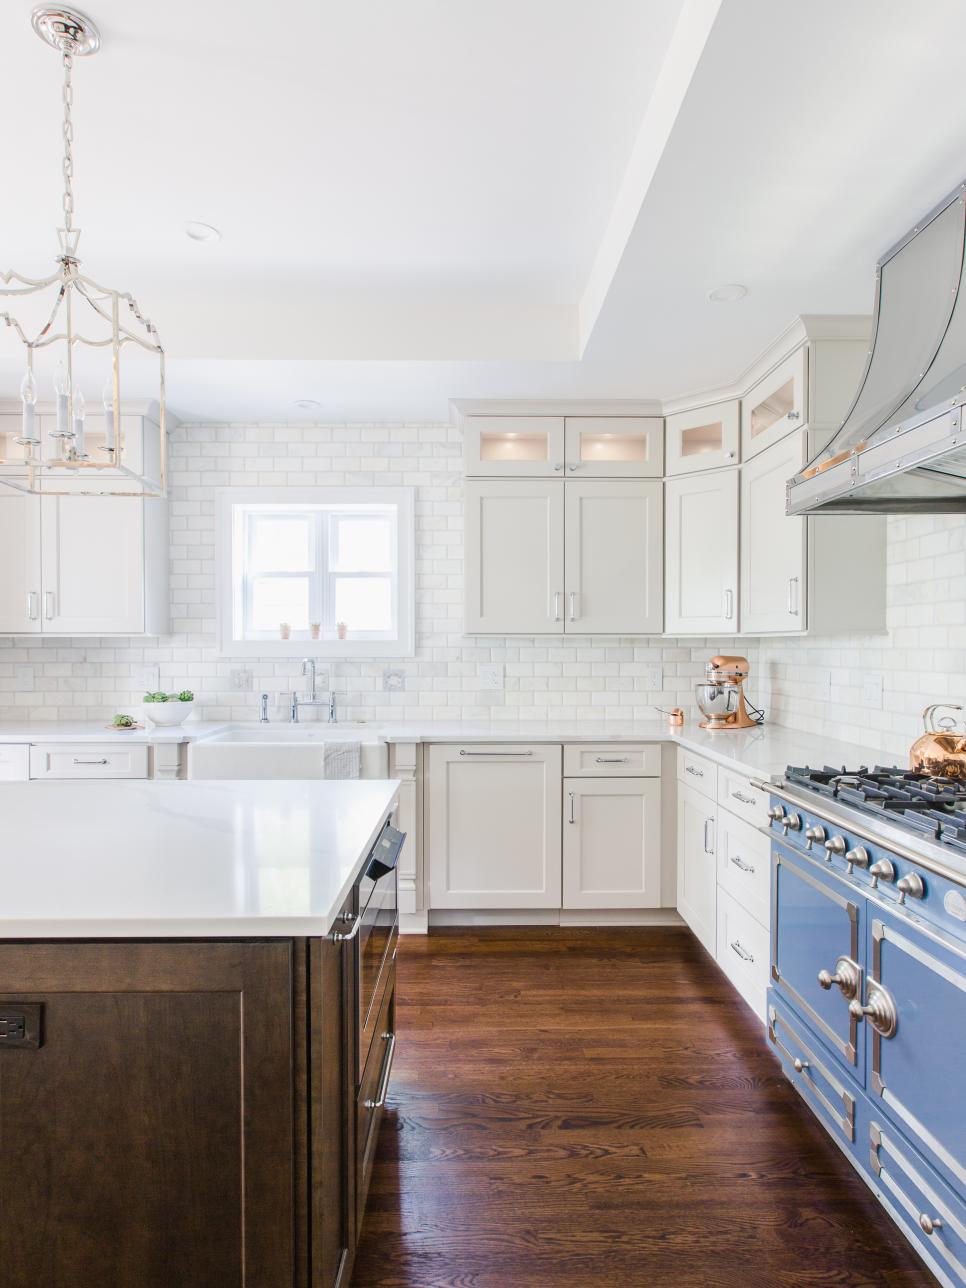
(705, 438)
(615, 447)
(513, 446)
(775, 406)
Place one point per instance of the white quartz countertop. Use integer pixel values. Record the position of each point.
(169, 859)
(38, 731)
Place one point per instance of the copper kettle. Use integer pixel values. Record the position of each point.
(940, 751)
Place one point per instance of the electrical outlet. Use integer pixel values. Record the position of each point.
(491, 675)
(654, 677)
(240, 681)
(147, 678)
(393, 680)
(872, 689)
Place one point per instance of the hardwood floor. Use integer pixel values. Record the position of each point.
(576, 1107)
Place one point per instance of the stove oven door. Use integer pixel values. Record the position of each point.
(817, 952)
(915, 1034)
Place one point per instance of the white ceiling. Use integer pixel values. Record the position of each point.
(426, 199)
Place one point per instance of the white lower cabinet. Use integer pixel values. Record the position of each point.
(86, 760)
(697, 885)
(494, 826)
(743, 951)
(612, 842)
(14, 762)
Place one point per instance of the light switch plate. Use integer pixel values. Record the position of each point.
(491, 675)
(147, 678)
(654, 676)
(241, 681)
(872, 689)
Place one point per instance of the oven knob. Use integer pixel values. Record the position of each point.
(882, 870)
(814, 832)
(857, 857)
(791, 822)
(776, 814)
(835, 845)
(911, 885)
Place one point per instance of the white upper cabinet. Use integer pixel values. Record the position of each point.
(514, 569)
(19, 564)
(773, 545)
(701, 565)
(513, 446)
(614, 558)
(776, 405)
(614, 447)
(92, 565)
(706, 438)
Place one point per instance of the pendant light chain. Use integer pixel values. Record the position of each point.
(68, 163)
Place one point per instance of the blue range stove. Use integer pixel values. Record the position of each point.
(867, 997)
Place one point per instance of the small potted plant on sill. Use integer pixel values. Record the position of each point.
(316, 629)
(340, 630)
(168, 709)
(284, 630)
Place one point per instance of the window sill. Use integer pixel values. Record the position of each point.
(345, 649)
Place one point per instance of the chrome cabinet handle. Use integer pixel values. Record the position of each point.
(794, 415)
(496, 753)
(48, 604)
(556, 605)
(736, 948)
(558, 467)
(745, 800)
(793, 596)
(879, 1009)
(708, 824)
(354, 917)
(612, 760)
(572, 468)
(848, 977)
(573, 605)
(572, 819)
(32, 606)
(740, 864)
(383, 1091)
(102, 761)
(800, 1065)
(690, 769)
(928, 1224)
(729, 611)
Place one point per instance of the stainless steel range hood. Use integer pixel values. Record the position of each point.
(901, 449)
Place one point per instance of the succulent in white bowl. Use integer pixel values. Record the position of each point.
(168, 709)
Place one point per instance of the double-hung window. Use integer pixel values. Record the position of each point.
(327, 571)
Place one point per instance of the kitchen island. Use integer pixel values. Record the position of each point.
(186, 1093)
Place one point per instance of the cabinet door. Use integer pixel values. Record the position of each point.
(513, 446)
(614, 558)
(494, 826)
(775, 406)
(772, 544)
(615, 447)
(149, 1139)
(703, 439)
(20, 564)
(612, 843)
(93, 565)
(702, 553)
(514, 558)
(697, 887)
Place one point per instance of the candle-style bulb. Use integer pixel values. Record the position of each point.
(61, 381)
(62, 389)
(107, 398)
(28, 388)
(28, 395)
(80, 412)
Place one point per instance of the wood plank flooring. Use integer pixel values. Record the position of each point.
(586, 1107)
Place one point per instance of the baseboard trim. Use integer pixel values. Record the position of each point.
(555, 917)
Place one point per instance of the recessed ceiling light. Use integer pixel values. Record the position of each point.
(201, 232)
(307, 404)
(730, 293)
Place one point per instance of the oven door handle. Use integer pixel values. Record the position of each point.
(383, 1091)
(339, 938)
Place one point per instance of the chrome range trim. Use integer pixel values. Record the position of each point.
(929, 854)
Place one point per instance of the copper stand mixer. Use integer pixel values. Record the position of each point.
(721, 697)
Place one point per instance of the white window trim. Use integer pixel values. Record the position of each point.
(402, 497)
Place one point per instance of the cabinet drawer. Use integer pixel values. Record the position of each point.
(698, 773)
(811, 1074)
(612, 760)
(744, 864)
(738, 796)
(373, 1089)
(742, 951)
(60, 760)
(14, 763)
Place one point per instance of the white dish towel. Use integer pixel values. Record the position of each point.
(342, 759)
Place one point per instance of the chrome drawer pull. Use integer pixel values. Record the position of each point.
(708, 823)
(348, 916)
(612, 760)
(741, 952)
(880, 1008)
(927, 1223)
(740, 865)
(800, 1065)
(496, 753)
(572, 819)
(690, 769)
(383, 1091)
(745, 800)
(102, 761)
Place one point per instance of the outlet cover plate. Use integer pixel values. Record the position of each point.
(393, 680)
(872, 690)
(491, 675)
(240, 680)
(654, 676)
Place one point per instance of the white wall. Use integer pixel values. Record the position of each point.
(922, 659)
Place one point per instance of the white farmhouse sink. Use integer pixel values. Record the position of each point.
(282, 751)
